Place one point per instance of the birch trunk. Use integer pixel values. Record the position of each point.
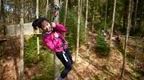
(47, 6)
(126, 39)
(66, 6)
(86, 18)
(78, 29)
(135, 15)
(113, 21)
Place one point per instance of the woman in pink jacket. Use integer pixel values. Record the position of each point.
(53, 38)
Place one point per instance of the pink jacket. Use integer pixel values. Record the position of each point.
(55, 40)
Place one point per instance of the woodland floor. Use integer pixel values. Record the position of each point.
(91, 66)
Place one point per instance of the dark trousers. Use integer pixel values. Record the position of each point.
(67, 61)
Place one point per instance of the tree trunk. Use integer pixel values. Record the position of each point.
(2, 13)
(47, 8)
(8, 70)
(113, 21)
(93, 23)
(135, 16)
(126, 39)
(56, 19)
(0, 8)
(106, 15)
(125, 14)
(86, 18)
(66, 6)
(135, 25)
(21, 61)
(57, 63)
(78, 29)
(37, 16)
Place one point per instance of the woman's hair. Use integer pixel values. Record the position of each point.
(37, 23)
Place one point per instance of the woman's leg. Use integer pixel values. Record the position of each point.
(68, 53)
(66, 62)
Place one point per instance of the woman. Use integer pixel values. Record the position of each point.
(53, 38)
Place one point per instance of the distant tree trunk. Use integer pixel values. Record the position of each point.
(0, 8)
(47, 8)
(135, 25)
(84, 4)
(125, 14)
(106, 15)
(126, 39)
(2, 17)
(66, 6)
(81, 6)
(37, 16)
(21, 61)
(135, 16)
(92, 23)
(86, 18)
(78, 29)
(113, 22)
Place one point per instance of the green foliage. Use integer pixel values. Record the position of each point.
(44, 59)
(47, 68)
(30, 50)
(102, 47)
(82, 30)
(71, 24)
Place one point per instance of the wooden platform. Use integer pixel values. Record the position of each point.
(3, 40)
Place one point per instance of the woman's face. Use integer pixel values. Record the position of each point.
(46, 26)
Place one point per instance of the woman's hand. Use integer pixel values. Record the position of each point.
(53, 24)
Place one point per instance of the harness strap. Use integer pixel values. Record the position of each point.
(65, 56)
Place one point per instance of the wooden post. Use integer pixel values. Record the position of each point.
(37, 16)
(21, 62)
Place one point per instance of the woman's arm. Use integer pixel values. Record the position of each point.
(59, 27)
(49, 44)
